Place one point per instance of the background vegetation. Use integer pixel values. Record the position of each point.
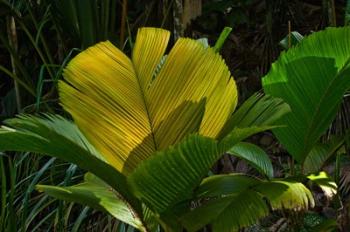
(38, 38)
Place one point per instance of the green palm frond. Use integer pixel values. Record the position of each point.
(58, 137)
(258, 111)
(233, 201)
(312, 78)
(94, 193)
(170, 176)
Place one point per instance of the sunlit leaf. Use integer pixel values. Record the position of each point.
(123, 106)
(328, 186)
(286, 194)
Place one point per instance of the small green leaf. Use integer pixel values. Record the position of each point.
(254, 155)
(222, 38)
(295, 38)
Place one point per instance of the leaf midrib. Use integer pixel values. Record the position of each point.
(144, 100)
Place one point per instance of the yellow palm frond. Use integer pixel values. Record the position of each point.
(128, 111)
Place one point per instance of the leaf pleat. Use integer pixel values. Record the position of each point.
(107, 103)
(256, 114)
(320, 154)
(286, 194)
(192, 72)
(148, 52)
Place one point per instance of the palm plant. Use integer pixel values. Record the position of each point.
(312, 78)
(148, 129)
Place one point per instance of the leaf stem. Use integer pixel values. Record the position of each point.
(222, 38)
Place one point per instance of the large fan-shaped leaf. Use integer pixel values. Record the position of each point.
(311, 78)
(170, 176)
(58, 137)
(254, 155)
(95, 193)
(124, 111)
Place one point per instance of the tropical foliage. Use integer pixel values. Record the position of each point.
(312, 78)
(150, 137)
(136, 145)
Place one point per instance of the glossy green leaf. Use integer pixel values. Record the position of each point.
(254, 155)
(312, 78)
(314, 103)
(239, 134)
(258, 113)
(94, 193)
